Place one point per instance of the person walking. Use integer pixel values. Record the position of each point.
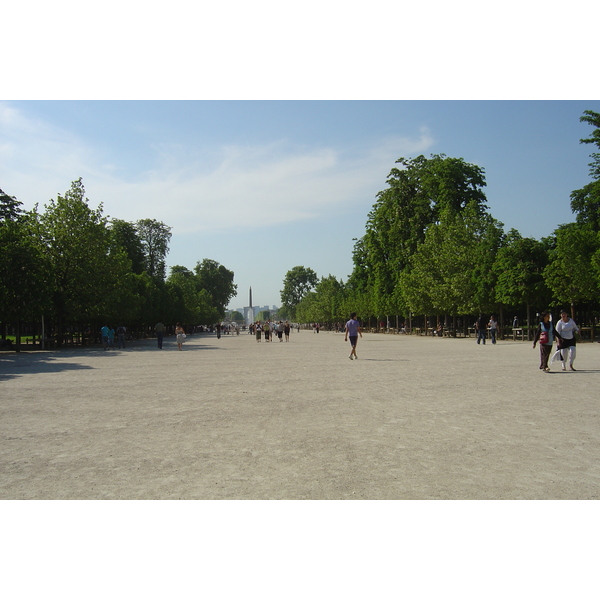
(286, 331)
(104, 334)
(545, 334)
(353, 331)
(493, 325)
(566, 328)
(481, 325)
(258, 330)
(160, 332)
(180, 336)
(121, 336)
(111, 337)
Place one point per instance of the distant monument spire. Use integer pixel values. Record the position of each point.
(250, 317)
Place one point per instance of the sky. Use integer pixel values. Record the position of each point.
(263, 186)
(261, 134)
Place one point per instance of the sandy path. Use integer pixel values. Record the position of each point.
(413, 418)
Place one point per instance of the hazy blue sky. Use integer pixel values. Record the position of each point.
(262, 133)
(263, 186)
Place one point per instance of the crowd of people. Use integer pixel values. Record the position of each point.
(271, 330)
(547, 333)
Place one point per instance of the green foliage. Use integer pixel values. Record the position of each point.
(519, 268)
(325, 304)
(418, 195)
(125, 236)
(237, 316)
(10, 208)
(154, 237)
(263, 315)
(296, 284)
(24, 270)
(449, 272)
(571, 274)
(87, 273)
(73, 266)
(217, 282)
(586, 201)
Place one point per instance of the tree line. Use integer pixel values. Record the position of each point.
(79, 270)
(432, 248)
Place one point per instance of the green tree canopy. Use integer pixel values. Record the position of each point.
(296, 284)
(571, 274)
(87, 274)
(125, 236)
(154, 237)
(586, 201)
(418, 194)
(444, 272)
(10, 208)
(217, 281)
(519, 268)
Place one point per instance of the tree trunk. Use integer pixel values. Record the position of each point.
(18, 335)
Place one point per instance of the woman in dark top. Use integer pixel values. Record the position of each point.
(545, 334)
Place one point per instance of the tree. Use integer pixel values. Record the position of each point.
(263, 315)
(519, 268)
(586, 201)
(448, 272)
(154, 236)
(23, 272)
(237, 316)
(571, 274)
(328, 300)
(125, 236)
(217, 281)
(10, 208)
(88, 276)
(418, 194)
(296, 284)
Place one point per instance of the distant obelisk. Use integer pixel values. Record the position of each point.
(250, 310)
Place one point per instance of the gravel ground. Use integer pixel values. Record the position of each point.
(413, 418)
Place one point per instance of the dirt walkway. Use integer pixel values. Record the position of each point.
(413, 418)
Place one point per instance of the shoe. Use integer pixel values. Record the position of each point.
(350, 357)
(564, 368)
(547, 370)
(572, 369)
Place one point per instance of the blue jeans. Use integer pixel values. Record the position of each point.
(481, 335)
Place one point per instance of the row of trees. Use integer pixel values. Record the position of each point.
(431, 247)
(78, 269)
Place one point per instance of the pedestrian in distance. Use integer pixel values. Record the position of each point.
(258, 329)
(566, 329)
(121, 336)
(180, 336)
(545, 335)
(353, 330)
(481, 326)
(493, 325)
(159, 328)
(111, 337)
(104, 334)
